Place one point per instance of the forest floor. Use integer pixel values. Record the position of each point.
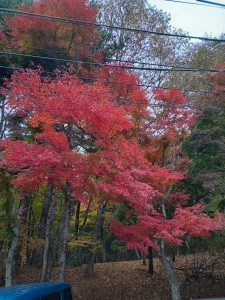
(129, 280)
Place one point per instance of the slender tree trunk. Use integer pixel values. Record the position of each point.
(144, 259)
(173, 256)
(150, 261)
(92, 256)
(10, 259)
(102, 238)
(44, 211)
(54, 248)
(77, 221)
(49, 223)
(53, 251)
(20, 252)
(30, 234)
(43, 222)
(171, 275)
(103, 252)
(65, 233)
(86, 215)
(2, 116)
(137, 253)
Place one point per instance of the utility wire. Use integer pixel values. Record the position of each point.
(152, 105)
(108, 59)
(121, 83)
(212, 3)
(146, 63)
(192, 3)
(86, 23)
(172, 69)
(125, 102)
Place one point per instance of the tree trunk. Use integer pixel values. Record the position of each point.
(86, 215)
(44, 211)
(65, 233)
(30, 234)
(49, 223)
(102, 238)
(20, 252)
(144, 259)
(76, 229)
(10, 259)
(171, 275)
(174, 256)
(2, 116)
(137, 253)
(54, 248)
(43, 222)
(92, 256)
(150, 261)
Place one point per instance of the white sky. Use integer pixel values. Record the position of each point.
(194, 19)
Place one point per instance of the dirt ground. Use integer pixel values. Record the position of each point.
(129, 280)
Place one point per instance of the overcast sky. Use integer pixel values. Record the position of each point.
(194, 19)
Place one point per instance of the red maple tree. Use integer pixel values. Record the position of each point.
(112, 154)
(37, 34)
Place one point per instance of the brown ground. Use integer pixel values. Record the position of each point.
(129, 280)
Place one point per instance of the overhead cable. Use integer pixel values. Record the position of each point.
(109, 59)
(121, 83)
(126, 102)
(212, 3)
(101, 25)
(172, 69)
(192, 3)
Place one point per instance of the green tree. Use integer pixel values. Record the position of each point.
(206, 147)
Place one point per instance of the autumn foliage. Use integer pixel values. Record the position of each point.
(118, 167)
(36, 33)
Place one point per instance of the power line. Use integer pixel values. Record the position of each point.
(105, 58)
(121, 83)
(192, 3)
(152, 105)
(128, 102)
(172, 69)
(212, 3)
(86, 23)
(146, 63)
(110, 59)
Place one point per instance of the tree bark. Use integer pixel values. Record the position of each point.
(10, 259)
(65, 232)
(76, 228)
(44, 211)
(43, 222)
(137, 253)
(102, 238)
(49, 223)
(2, 116)
(144, 259)
(92, 256)
(86, 215)
(30, 234)
(53, 251)
(171, 275)
(150, 261)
